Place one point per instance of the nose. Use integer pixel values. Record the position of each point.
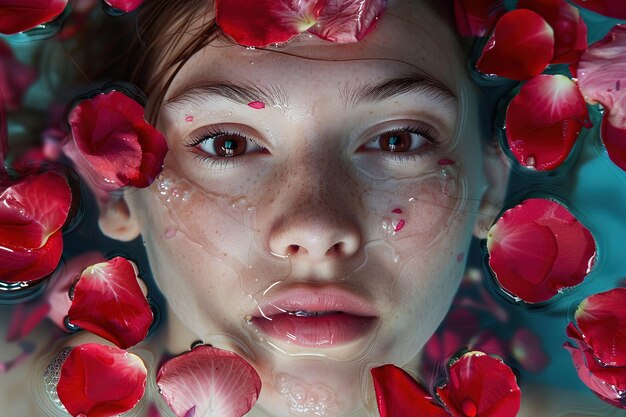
(314, 221)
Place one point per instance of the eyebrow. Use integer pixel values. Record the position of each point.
(245, 93)
(412, 83)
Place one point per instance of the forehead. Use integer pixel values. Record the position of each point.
(409, 39)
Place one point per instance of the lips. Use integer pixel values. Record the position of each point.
(316, 317)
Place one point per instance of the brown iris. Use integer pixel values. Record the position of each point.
(229, 145)
(399, 141)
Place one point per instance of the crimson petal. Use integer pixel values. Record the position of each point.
(601, 319)
(477, 17)
(398, 394)
(544, 120)
(348, 21)
(213, 382)
(101, 381)
(15, 78)
(538, 248)
(480, 386)
(108, 301)
(601, 74)
(570, 30)
(33, 264)
(113, 144)
(520, 47)
(124, 5)
(22, 15)
(610, 8)
(264, 22)
(525, 347)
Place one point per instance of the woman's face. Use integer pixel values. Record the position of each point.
(316, 204)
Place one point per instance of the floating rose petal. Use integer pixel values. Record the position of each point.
(347, 21)
(211, 381)
(101, 381)
(113, 144)
(32, 211)
(477, 17)
(22, 15)
(601, 75)
(398, 394)
(520, 47)
(538, 248)
(610, 8)
(264, 22)
(15, 78)
(544, 120)
(480, 386)
(108, 301)
(570, 30)
(124, 5)
(600, 320)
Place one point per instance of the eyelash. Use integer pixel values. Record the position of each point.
(212, 133)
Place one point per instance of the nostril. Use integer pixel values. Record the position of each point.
(292, 250)
(337, 249)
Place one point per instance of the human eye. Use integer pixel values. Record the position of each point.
(220, 146)
(411, 141)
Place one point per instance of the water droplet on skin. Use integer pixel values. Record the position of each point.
(258, 105)
(189, 119)
(175, 193)
(170, 232)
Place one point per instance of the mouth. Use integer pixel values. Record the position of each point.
(316, 317)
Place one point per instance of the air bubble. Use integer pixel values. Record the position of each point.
(51, 377)
(531, 162)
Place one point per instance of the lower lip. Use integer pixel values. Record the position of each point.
(322, 331)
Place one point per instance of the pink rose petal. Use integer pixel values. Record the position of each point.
(210, 381)
(347, 21)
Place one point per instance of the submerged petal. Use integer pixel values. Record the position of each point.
(477, 17)
(22, 15)
(520, 47)
(212, 382)
(108, 301)
(544, 120)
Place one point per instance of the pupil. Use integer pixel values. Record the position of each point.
(230, 145)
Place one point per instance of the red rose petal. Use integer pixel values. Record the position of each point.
(22, 15)
(520, 47)
(15, 78)
(264, 22)
(33, 208)
(112, 142)
(477, 17)
(215, 382)
(101, 381)
(610, 8)
(570, 30)
(124, 5)
(33, 264)
(398, 394)
(538, 248)
(108, 301)
(544, 120)
(480, 386)
(614, 140)
(601, 320)
(347, 21)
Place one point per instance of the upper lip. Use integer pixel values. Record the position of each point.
(315, 299)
